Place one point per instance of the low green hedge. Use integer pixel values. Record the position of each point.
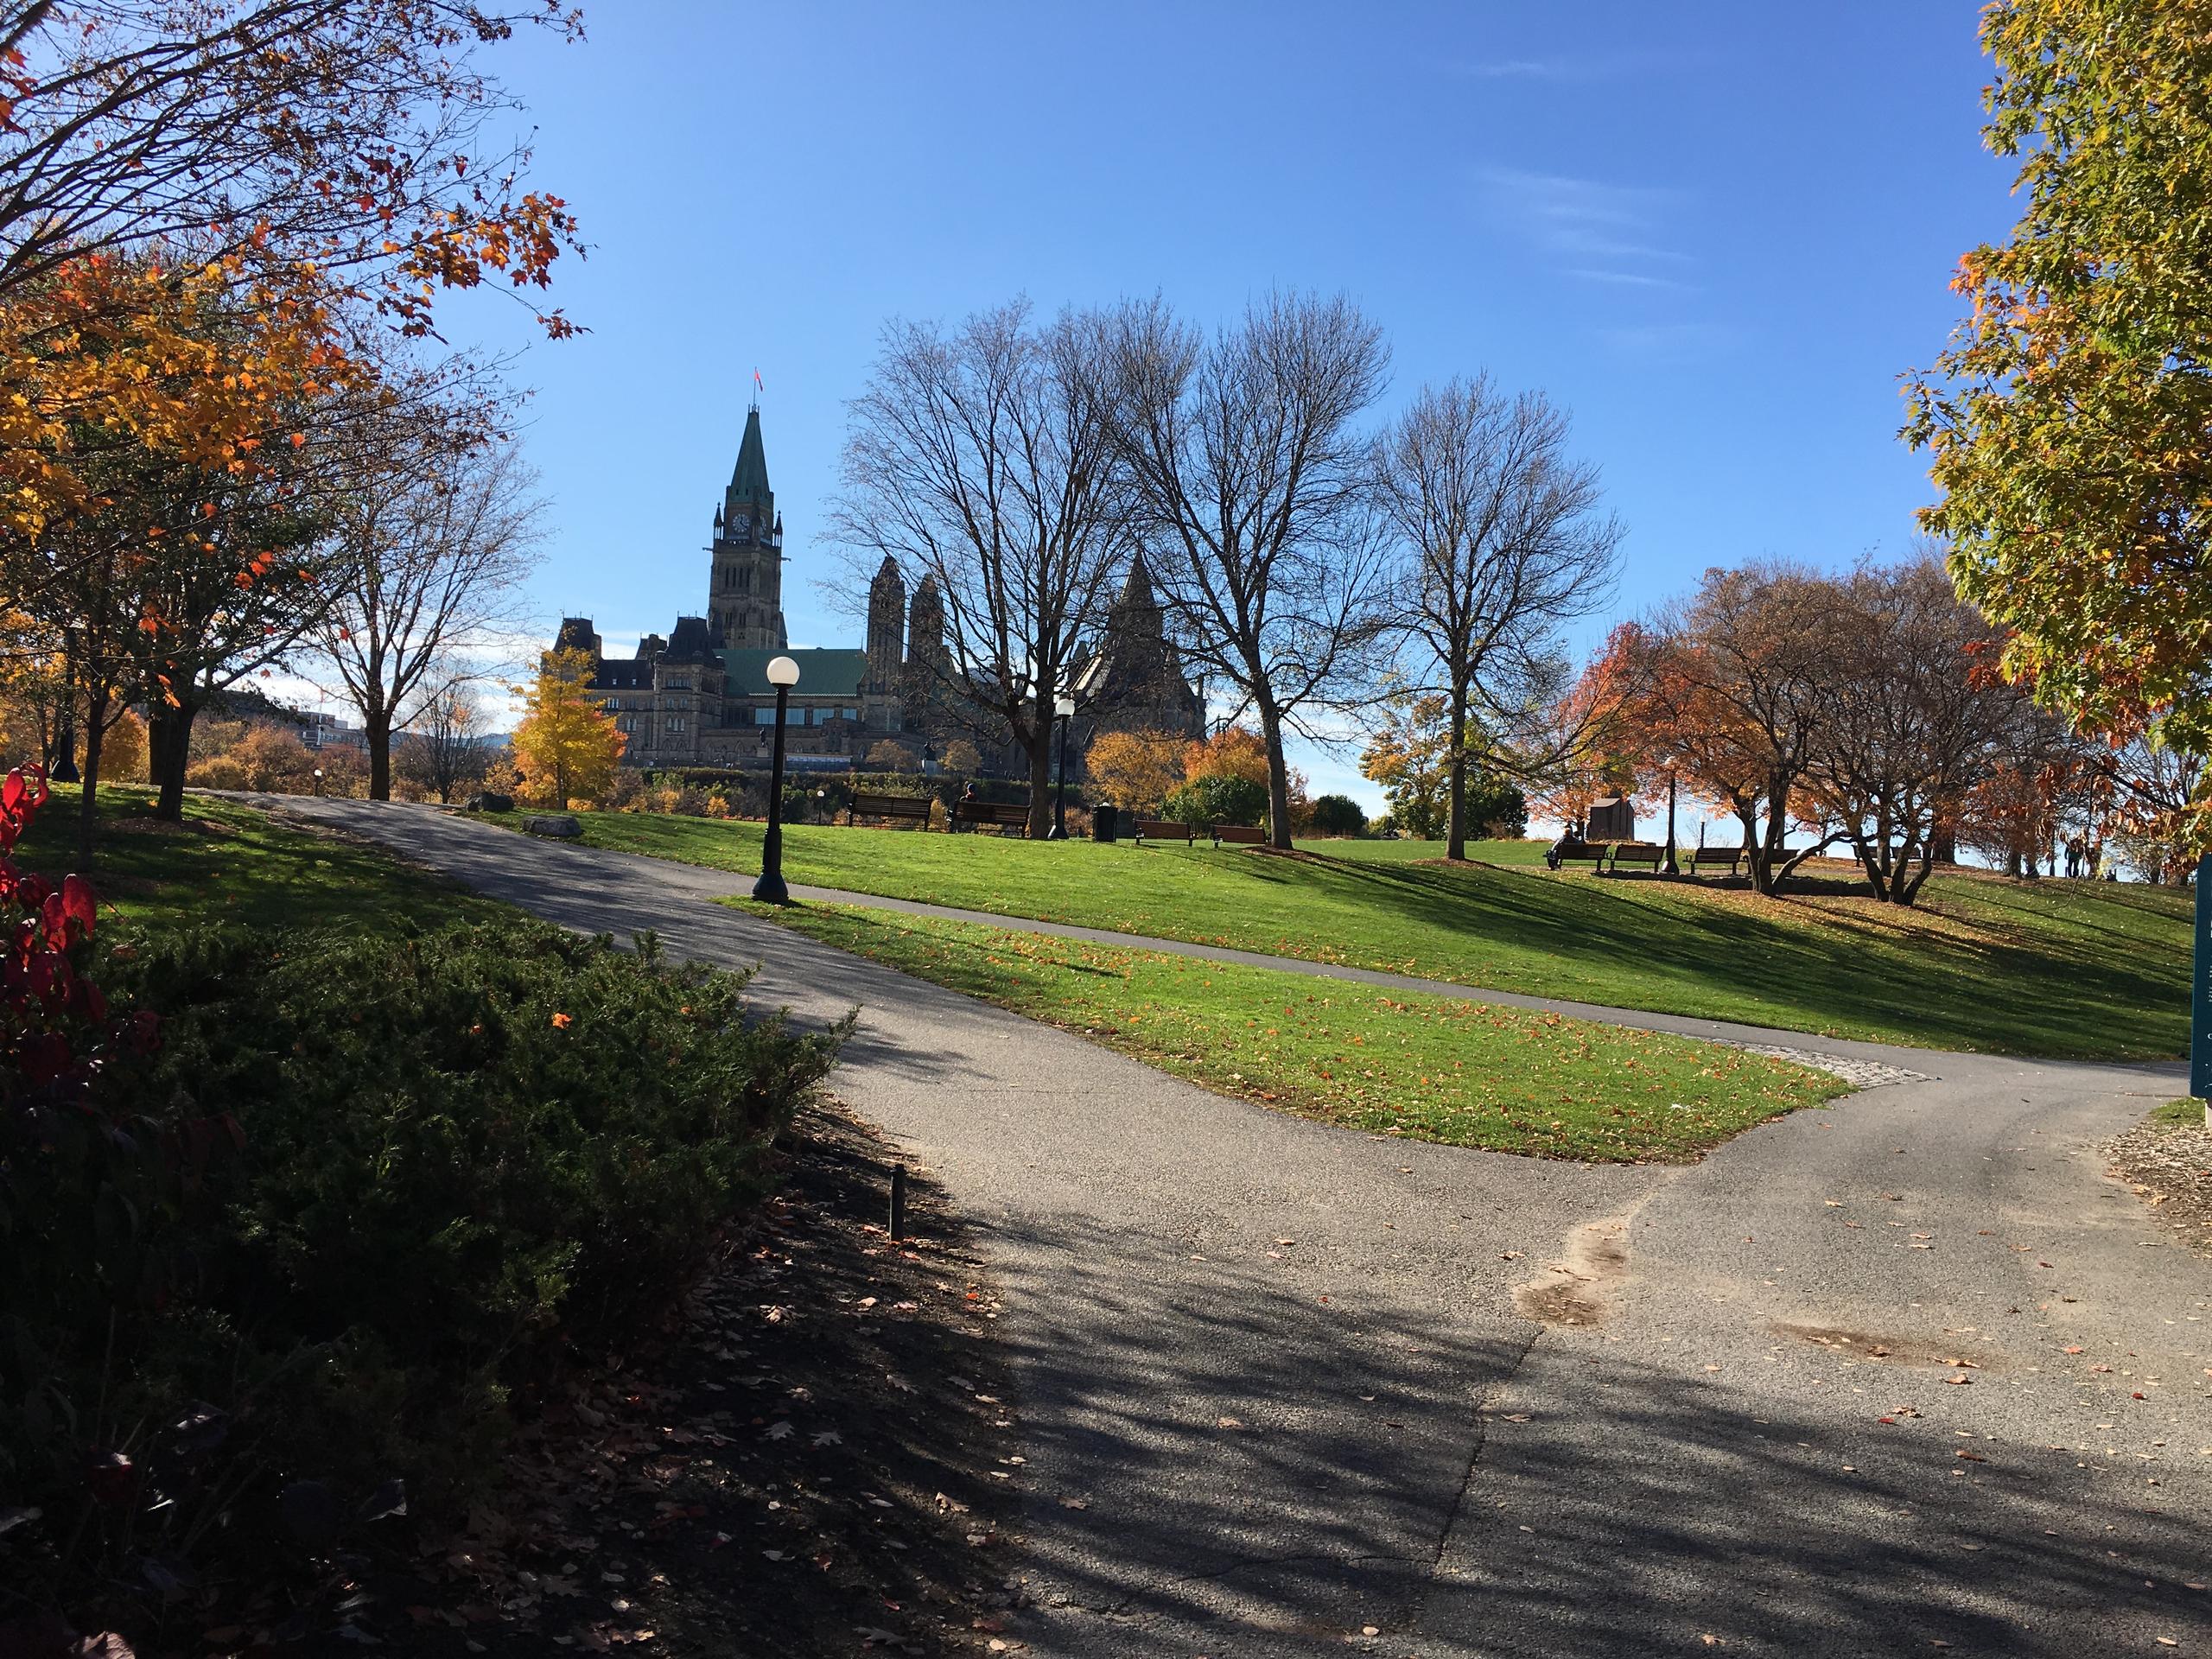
(373, 1193)
(1216, 797)
(747, 792)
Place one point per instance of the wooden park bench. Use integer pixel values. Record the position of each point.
(916, 807)
(1239, 834)
(1638, 852)
(1732, 856)
(1164, 830)
(1578, 852)
(1006, 815)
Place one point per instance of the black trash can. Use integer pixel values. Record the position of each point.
(1105, 821)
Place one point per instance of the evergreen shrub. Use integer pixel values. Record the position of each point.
(377, 1192)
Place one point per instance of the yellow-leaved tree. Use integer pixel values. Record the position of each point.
(565, 749)
(1135, 770)
(2066, 421)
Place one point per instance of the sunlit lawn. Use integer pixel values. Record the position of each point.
(1984, 963)
(228, 862)
(1428, 1067)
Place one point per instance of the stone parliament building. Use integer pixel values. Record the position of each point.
(701, 698)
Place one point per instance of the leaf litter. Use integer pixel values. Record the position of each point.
(749, 1483)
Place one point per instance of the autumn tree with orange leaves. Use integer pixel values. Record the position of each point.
(2067, 420)
(1727, 689)
(1588, 746)
(219, 222)
(319, 161)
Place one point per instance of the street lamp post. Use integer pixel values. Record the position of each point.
(318, 780)
(1673, 868)
(782, 674)
(1063, 711)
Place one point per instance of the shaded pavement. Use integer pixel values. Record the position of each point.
(1285, 1383)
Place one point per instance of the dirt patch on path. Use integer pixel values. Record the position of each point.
(1581, 1288)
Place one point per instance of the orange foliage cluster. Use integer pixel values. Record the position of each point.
(112, 349)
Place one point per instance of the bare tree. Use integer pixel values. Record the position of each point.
(1914, 717)
(983, 460)
(2155, 793)
(1255, 496)
(1507, 544)
(443, 749)
(2042, 775)
(435, 546)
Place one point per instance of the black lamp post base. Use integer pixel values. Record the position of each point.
(770, 888)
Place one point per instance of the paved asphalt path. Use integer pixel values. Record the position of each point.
(1908, 1374)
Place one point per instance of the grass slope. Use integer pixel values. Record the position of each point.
(2051, 968)
(230, 863)
(1430, 1068)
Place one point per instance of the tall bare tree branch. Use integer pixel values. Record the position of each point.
(1507, 543)
(437, 542)
(1256, 501)
(982, 460)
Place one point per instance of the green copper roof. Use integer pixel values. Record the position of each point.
(821, 673)
(750, 481)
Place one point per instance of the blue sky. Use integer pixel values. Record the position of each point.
(1716, 233)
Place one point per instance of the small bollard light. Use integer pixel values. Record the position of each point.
(897, 1201)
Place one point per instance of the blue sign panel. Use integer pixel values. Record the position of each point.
(2200, 1025)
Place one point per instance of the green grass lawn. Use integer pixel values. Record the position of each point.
(227, 862)
(2050, 968)
(1431, 1068)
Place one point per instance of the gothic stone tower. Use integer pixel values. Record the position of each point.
(922, 681)
(886, 633)
(745, 600)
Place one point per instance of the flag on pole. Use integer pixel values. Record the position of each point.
(757, 386)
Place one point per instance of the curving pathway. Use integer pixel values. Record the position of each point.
(1906, 1375)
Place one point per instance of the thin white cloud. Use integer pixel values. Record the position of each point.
(1581, 70)
(1629, 279)
(1524, 69)
(1590, 229)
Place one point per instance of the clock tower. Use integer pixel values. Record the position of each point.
(745, 599)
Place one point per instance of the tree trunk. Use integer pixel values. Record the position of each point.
(1755, 847)
(1040, 748)
(168, 755)
(377, 728)
(1871, 863)
(1278, 777)
(1914, 880)
(88, 808)
(1766, 847)
(1455, 827)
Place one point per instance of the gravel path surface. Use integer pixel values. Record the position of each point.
(1910, 1373)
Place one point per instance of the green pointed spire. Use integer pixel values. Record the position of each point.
(750, 481)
